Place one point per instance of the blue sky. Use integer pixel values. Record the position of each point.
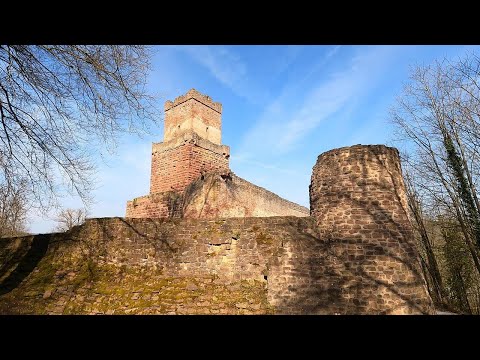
(282, 107)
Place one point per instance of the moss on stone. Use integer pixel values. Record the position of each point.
(74, 278)
(263, 239)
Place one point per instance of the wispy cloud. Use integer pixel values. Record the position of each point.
(290, 54)
(228, 68)
(332, 51)
(223, 64)
(286, 121)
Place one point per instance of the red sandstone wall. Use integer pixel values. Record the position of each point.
(160, 205)
(174, 169)
(357, 197)
(154, 266)
(215, 195)
(227, 195)
(188, 266)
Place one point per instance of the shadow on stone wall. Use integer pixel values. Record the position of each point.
(336, 283)
(156, 235)
(366, 254)
(29, 261)
(334, 278)
(102, 240)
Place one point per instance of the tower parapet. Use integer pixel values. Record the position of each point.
(193, 112)
(194, 94)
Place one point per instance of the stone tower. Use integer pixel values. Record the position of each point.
(192, 143)
(190, 173)
(359, 203)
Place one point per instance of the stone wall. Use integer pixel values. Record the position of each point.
(167, 204)
(224, 195)
(274, 265)
(140, 266)
(176, 163)
(358, 200)
(215, 195)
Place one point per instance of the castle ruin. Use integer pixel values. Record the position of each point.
(205, 241)
(190, 174)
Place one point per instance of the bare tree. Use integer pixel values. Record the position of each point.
(438, 118)
(13, 210)
(61, 106)
(427, 254)
(68, 218)
(429, 114)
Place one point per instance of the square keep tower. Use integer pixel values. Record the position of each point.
(192, 143)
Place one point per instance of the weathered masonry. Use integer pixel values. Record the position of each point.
(205, 241)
